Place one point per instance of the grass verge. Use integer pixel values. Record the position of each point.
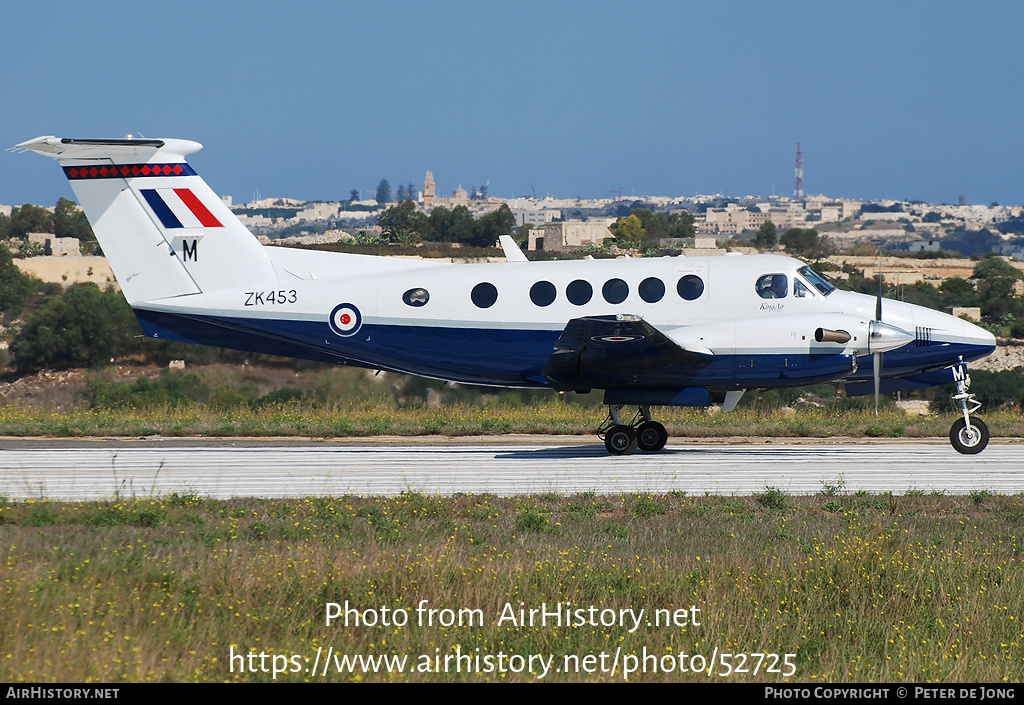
(857, 587)
(551, 417)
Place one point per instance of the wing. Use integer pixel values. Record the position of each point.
(616, 351)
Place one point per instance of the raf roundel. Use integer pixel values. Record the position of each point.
(345, 320)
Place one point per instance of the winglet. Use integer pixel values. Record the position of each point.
(512, 251)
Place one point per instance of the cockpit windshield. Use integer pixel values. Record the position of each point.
(816, 280)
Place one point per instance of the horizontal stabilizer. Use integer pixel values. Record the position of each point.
(165, 233)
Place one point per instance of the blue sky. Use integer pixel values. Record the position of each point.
(915, 100)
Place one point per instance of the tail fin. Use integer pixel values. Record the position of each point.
(163, 230)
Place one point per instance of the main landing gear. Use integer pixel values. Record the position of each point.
(968, 435)
(642, 432)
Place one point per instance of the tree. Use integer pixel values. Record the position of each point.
(402, 223)
(83, 327)
(968, 242)
(383, 192)
(15, 287)
(69, 221)
(462, 225)
(644, 229)
(629, 231)
(958, 292)
(440, 220)
(767, 236)
(353, 195)
(410, 191)
(30, 219)
(803, 242)
(992, 267)
(493, 225)
(400, 196)
(995, 281)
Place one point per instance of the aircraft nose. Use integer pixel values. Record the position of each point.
(974, 341)
(977, 335)
(941, 337)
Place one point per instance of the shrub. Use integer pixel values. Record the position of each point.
(84, 327)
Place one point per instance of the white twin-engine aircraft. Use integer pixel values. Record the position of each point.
(672, 331)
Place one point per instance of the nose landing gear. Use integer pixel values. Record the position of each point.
(641, 433)
(968, 435)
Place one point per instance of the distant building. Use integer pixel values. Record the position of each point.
(53, 245)
(431, 201)
(733, 220)
(563, 236)
(429, 192)
(970, 312)
(318, 211)
(925, 246)
(688, 243)
(535, 216)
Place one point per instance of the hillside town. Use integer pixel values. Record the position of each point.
(564, 223)
(858, 232)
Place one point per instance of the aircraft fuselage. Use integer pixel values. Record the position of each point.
(497, 324)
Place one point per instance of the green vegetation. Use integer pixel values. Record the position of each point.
(805, 243)
(67, 220)
(242, 411)
(15, 287)
(383, 194)
(84, 327)
(767, 236)
(403, 223)
(859, 588)
(643, 229)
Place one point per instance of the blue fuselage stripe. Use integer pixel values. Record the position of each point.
(515, 357)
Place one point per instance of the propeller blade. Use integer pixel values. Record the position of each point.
(878, 301)
(878, 356)
(878, 378)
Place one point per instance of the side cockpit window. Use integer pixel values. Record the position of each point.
(817, 281)
(772, 286)
(800, 290)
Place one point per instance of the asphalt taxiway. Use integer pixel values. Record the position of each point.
(70, 470)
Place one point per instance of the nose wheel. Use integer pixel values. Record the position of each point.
(969, 435)
(641, 433)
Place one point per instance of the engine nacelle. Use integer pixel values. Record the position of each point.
(816, 333)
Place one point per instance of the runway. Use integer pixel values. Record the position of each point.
(103, 469)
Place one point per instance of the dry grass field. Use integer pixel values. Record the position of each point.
(838, 587)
